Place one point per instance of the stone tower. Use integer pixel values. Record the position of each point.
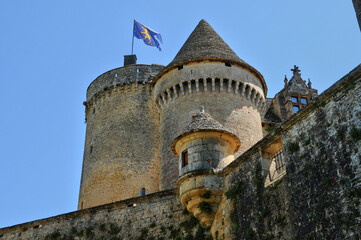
(206, 72)
(204, 148)
(121, 157)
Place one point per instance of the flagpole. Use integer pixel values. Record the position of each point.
(133, 38)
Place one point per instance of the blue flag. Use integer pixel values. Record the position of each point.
(148, 35)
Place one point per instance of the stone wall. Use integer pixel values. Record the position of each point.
(157, 216)
(129, 74)
(122, 137)
(319, 196)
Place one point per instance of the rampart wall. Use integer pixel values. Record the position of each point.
(155, 216)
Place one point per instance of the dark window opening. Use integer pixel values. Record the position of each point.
(303, 100)
(184, 158)
(227, 64)
(279, 160)
(296, 108)
(93, 110)
(91, 149)
(143, 192)
(180, 67)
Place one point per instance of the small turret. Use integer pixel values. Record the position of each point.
(204, 147)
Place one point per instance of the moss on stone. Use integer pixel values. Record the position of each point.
(293, 147)
(356, 133)
(235, 191)
(205, 207)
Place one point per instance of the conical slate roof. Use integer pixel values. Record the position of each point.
(204, 42)
(203, 122)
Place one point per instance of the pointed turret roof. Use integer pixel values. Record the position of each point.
(203, 122)
(204, 42)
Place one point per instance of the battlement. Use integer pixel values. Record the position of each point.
(213, 85)
(139, 73)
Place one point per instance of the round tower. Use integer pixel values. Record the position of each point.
(203, 148)
(121, 157)
(206, 72)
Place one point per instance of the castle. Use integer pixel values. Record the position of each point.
(195, 150)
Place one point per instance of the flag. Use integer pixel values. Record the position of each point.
(148, 35)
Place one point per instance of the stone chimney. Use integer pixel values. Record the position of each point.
(130, 59)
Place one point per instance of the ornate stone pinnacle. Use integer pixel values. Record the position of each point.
(296, 70)
(286, 81)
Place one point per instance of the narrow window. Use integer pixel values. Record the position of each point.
(279, 160)
(116, 75)
(93, 110)
(137, 70)
(180, 67)
(294, 99)
(296, 108)
(143, 192)
(91, 149)
(184, 158)
(227, 64)
(303, 100)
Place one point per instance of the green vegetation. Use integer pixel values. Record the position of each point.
(251, 234)
(53, 236)
(144, 234)
(270, 128)
(114, 229)
(89, 232)
(207, 194)
(189, 224)
(152, 225)
(307, 141)
(293, 147)
(205, 207)
(235, 191)
(356, 133)
(281, 221)
(258, 178)
(102, 227)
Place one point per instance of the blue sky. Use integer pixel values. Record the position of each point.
(50, 51)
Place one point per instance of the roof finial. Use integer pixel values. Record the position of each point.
(202, 109)
(296, 70)
(309, 84)
(286, 81)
